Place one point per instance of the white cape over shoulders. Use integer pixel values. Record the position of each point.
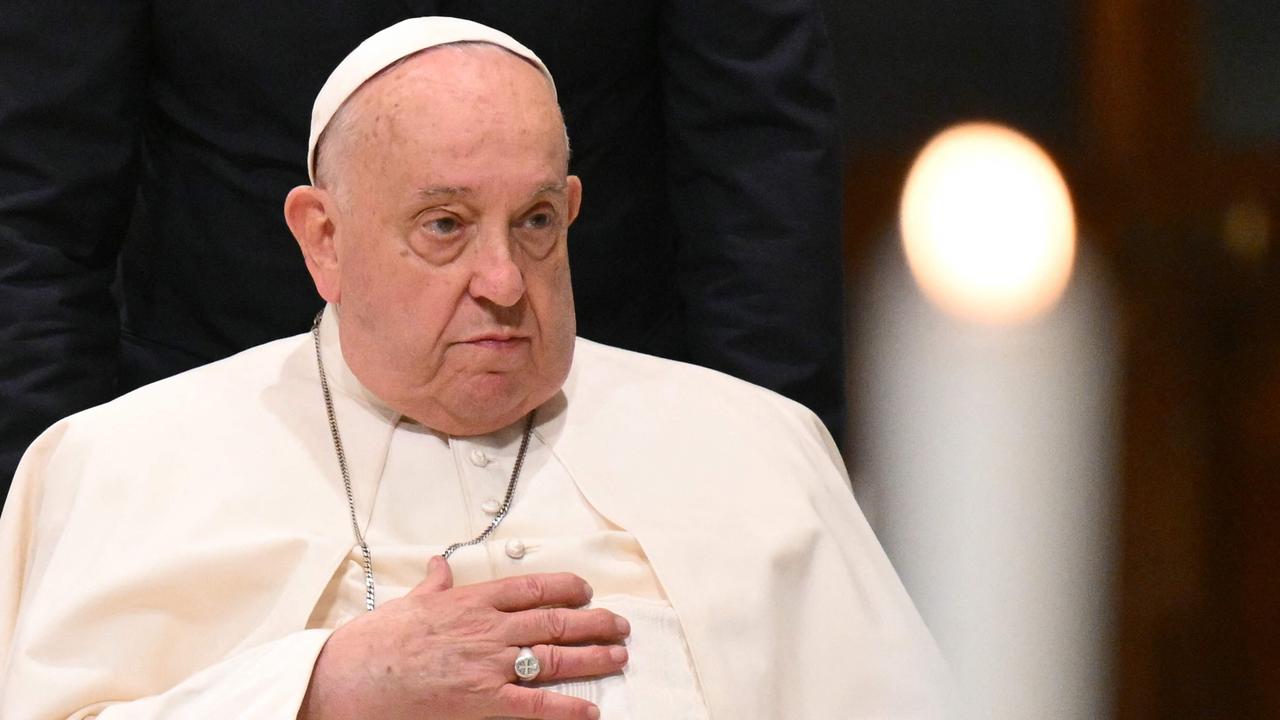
(161, 554)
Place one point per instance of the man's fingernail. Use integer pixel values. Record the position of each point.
(618, 654)
(593, 712)
(433, 563)
(624, 627)
(586, 587)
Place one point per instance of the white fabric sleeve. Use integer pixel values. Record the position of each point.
(265, 683)
(74, 669)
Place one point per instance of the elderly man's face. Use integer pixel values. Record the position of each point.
(452, 271)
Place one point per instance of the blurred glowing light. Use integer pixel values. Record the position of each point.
(987, 224)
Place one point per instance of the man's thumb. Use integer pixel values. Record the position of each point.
(439, 576)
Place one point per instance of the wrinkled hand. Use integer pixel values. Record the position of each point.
(449, 653)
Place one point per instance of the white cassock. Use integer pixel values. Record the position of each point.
(184, 551)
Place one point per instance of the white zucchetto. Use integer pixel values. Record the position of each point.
(391, 44)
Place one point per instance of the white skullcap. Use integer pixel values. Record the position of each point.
(389, 45)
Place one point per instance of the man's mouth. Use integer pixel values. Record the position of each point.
(496, 341)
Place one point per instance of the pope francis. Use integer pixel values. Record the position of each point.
(438, 503)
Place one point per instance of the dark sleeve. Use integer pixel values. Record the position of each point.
(754, 178)
(72, 80)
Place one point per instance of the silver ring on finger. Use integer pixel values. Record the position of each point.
(527, 665)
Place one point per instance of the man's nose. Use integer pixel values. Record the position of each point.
(495, 275)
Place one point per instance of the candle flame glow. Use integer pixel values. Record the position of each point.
(988, 225)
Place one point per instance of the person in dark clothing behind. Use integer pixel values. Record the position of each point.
(145, 148)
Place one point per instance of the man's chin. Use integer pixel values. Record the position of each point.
(490, 402)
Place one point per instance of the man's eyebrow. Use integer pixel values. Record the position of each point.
(434, 191)
(442, 190)
(556, 188)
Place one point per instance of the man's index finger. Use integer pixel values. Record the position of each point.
(523, 592)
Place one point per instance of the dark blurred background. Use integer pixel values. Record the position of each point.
(1165, 119)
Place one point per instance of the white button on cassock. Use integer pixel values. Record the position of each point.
(491, 506)
(515, 549)
(478, 458)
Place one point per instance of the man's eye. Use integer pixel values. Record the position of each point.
(442, 225)
(538, 221)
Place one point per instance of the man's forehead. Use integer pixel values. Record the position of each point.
(461, 69)
(448, 111)
(453, 117)
(388, 47)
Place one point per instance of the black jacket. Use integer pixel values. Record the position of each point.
(146, 149)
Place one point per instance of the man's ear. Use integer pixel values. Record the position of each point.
(310, 213)
(574, 188)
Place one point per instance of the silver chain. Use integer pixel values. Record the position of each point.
(351, 500)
